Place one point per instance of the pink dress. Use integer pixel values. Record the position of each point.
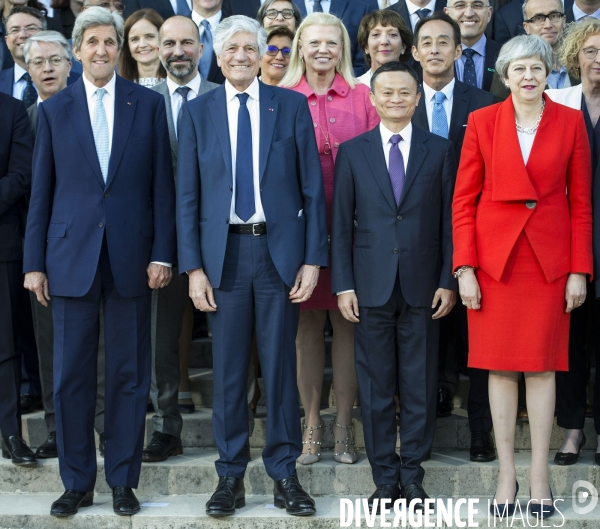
(338, 116)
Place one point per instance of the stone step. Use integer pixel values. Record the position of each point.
(447, 474)
(31, 511)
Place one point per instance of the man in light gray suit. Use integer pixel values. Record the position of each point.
(180, 52)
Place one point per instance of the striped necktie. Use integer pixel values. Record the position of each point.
(100, 129)
(207, 53)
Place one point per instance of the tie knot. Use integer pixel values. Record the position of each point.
(243, 97)
(395, 139)
(26, 77)
(183, 91)
(469, 52)
(439, 97)
(206, 25)
(422, 13)
(100, 93)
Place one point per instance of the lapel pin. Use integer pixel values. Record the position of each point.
(128, 103)
(270, 110)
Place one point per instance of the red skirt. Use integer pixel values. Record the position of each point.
(321, 298)
(522, 324)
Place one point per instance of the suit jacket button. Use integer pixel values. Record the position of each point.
(336, 144)
(332, 120)
(395, 250)
(101, 225)
(530, 205)
(313, 103)
(399, 217)
(106, 195)
(226, 221)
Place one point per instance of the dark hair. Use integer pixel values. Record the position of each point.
(262, 10)
(438, 15)
(385, 17)
(28, 10)
(394, 66)
(280, 31)
(60, 4)
(127, 64)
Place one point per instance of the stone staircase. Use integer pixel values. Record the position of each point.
(174, 492)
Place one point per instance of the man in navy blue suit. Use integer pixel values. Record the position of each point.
(252, 235)
(100, 230)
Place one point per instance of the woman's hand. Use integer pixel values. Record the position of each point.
(468, 289)
(575, 291)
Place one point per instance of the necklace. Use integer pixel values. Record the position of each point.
(327, 147)
(531, 130)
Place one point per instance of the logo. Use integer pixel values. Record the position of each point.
(584, 497)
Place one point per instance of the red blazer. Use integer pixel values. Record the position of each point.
(497, 197)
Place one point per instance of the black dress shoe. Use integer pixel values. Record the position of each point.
(229, 495)
(445, 402)
(30, 403)
(70, 501)
(15, 448)
(124, 501)
(482, 447)
(412, 492)
(290, 495)
(48, 450)
(161, 447)
(384, 492)
(566, 458)
(101, 445)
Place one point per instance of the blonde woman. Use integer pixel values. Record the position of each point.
(321, 68)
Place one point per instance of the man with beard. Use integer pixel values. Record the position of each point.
(180, 51)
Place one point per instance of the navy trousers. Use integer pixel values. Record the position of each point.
(397, 340)
(127, 381)
(252, 291)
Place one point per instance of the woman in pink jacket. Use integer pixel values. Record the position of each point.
(321, 69)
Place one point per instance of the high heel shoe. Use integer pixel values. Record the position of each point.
(498, 509)
(567, 458)
(346, 456)
(542, 510)
(309, 458)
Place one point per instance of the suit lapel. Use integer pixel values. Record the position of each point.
(417, 155)
(78, 111)
(460, 110)
(218, 113)
(420, 116)
(164, 90)
(268, 117)
(125, 106)
(488, 67)
(337, 7)
(375, 160)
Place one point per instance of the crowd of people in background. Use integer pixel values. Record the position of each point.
(266, 172)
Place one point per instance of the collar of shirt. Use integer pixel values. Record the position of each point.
(479, 46)
(412, 8)
(578, 14)
(194, 84)
(448, 90)
(19, 73)
(213, 21)
(380, 2)
(339, 86)
(39, 100)
(386, 134)
(325, 4)
(90, 88)
(253, 91)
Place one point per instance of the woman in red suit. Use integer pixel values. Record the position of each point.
(522, 249)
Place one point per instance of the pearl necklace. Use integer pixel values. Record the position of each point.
(531, 130)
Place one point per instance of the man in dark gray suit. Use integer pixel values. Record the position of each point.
(394, 185)
(180, 51)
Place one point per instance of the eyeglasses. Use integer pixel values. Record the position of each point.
(590, 53)
(118, 6)
(274, 50)
(539, 20)
(475, 6)
(274, 13)
(30, 30)
(39, 63)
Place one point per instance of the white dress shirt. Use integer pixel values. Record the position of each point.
(18, 83)
(365, 78)
(578, 14)
(325, 4)
(174, 5)
(213, 22)
(429, 94)
(177, 100)
(412, 9)
(109, 104)
(390, 2)
(233, 105)
(526, 143)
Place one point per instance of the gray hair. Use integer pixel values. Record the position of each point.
(93, 17)
(239, 24)
(522, 47)
(49, 37)
(559, 2)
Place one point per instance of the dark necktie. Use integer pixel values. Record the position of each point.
(183, 91)
(183, 8)
(396, 167)
(30, 94)
(469, 75)
(422, 13)
(317, 7)
(244, 168)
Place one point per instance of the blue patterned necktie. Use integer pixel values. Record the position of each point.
(422, 13)
(469, 75)
(396, 167)
(439, 119)
(100, 129)
(183, 8)
(207, 53)
(244, 167)
(30, 94)
(317, 7)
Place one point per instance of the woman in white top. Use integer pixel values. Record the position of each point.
(383, 37)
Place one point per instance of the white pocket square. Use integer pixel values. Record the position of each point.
(300, 213)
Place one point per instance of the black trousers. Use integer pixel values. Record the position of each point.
(11, 278)
(571, 386)
(397, 342)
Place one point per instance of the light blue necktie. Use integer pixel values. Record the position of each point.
(183, 8)
(439, 119)
(207, 40)
(100, 129)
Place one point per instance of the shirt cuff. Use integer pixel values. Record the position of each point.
(343, 292)
(168, 265)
